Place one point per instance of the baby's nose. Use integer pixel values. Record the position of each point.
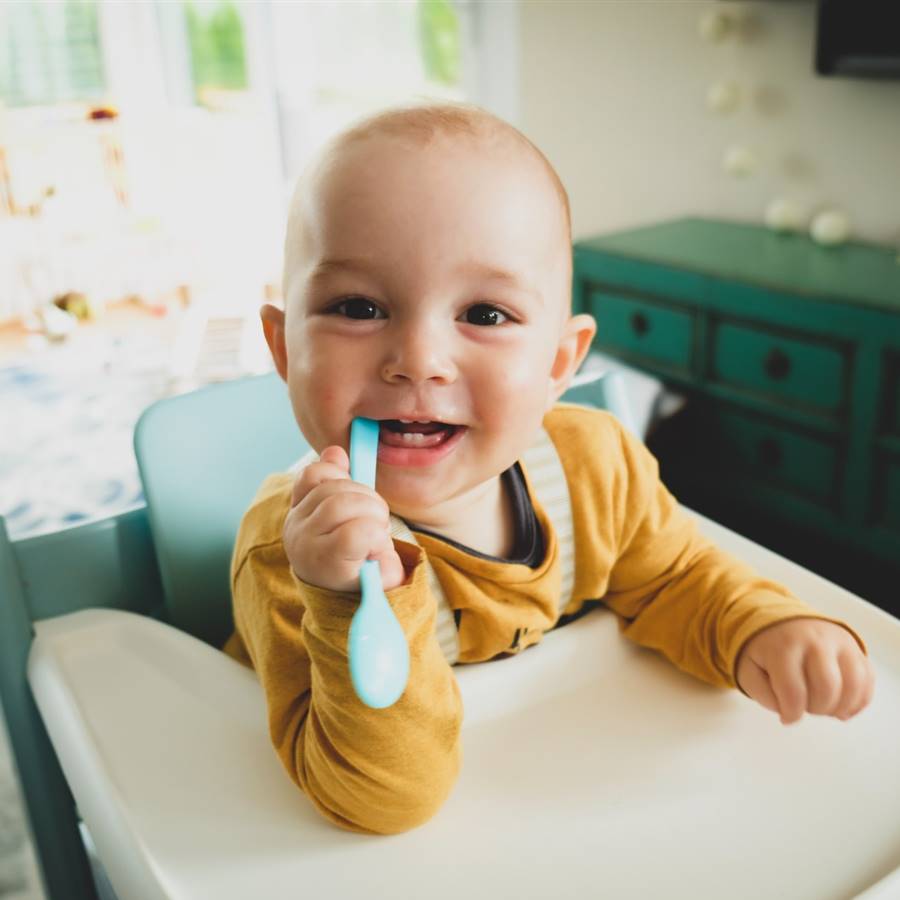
(418, 355)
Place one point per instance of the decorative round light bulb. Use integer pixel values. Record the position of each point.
(830, 227)
(715, 26)
(740, 161)
(723, 97)
(783, 214)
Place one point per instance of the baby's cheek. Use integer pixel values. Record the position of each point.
(319, 407)
(511, 408)
(510, 374)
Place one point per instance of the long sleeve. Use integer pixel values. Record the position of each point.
(373, 771)
(677, 592)
(672, 589)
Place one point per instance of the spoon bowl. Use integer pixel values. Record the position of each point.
(379, 654)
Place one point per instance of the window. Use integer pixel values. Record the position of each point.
(335, 62)
(50, 53)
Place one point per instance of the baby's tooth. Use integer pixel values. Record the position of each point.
(411, 437)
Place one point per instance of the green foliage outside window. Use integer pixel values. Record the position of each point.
(216, 38)
(439, 40)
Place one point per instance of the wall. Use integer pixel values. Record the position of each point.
(614, 92)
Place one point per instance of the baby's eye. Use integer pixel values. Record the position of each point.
(485, 314)
(358, 308)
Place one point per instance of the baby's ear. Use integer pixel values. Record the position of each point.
(574, 343)
(273, 328)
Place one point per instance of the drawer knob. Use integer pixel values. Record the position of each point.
(777, 364)
(640, 324)
(769, 453)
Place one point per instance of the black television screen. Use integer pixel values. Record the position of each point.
(858, 38)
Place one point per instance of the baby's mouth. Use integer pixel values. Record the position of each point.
(415, 435)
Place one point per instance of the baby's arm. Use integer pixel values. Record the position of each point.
(378, 771)
(717, 619)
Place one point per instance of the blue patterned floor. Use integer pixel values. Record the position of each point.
(66, 420)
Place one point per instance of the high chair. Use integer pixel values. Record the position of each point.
(592, 767)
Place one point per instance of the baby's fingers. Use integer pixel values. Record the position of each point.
(356, 541)
(344, 502)
(859, 684)
(825, 684)
(789, 684)
(755, 683)
(333, 464)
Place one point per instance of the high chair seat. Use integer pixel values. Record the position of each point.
(591, 768)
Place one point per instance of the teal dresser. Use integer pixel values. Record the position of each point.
(789, 354)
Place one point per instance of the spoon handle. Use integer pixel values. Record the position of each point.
(370, 578)
(363, 451)
(376, 645)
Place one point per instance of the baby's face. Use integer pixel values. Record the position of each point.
(431, 286)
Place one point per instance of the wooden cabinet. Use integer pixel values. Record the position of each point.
(789, 354)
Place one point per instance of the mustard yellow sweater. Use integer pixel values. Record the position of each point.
(385, 771)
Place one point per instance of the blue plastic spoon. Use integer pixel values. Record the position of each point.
(379, 654)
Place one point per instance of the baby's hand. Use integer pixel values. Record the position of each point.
(335, 524)
(806, 665)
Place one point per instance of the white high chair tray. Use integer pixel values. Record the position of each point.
(592, 768)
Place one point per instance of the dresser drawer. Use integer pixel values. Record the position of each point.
(751, 447)
(643, 329)
(790, 371)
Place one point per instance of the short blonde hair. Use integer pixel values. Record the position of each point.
(420, 124)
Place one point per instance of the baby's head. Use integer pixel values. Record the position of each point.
(428, 277)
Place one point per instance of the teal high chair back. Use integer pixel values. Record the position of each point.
(201, 458)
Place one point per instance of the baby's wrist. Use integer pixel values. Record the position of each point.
(321, 583)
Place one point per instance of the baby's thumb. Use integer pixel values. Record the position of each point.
(337, 456)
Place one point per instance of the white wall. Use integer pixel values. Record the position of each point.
(614, 92)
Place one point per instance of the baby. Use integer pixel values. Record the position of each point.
(427, 285)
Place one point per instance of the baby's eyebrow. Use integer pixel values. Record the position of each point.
(491, 273)
(328, 266)
(473, 268)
